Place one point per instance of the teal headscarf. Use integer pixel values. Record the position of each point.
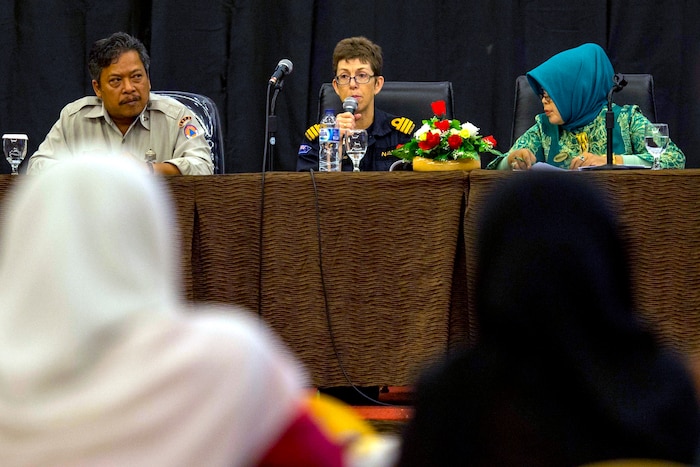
(577, 80)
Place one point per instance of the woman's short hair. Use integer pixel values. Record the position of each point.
(361, 48)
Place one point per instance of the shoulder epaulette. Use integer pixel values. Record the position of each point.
(312, 133)
(404, 125)
(166, 105)
(87, 101)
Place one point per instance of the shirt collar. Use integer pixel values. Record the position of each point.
(99, 112)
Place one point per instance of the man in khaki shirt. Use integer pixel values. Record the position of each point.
(124, 118)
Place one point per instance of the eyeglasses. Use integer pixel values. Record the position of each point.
(360, 78)
(545, 97)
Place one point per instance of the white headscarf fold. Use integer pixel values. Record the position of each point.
(99, 365)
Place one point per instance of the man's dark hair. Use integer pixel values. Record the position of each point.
(106, 51)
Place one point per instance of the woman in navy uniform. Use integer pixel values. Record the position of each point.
(357, 64)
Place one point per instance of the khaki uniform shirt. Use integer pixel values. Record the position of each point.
(166, 126)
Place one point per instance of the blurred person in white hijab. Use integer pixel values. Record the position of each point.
(100, 361)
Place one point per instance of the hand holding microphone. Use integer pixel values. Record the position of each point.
(346, 120)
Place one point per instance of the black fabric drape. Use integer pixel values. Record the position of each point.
(227, 49)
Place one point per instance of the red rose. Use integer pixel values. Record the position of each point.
(490, 139)
(431, 140)
(399, 146)
(454, 141)
(439, 108)
(443, 125)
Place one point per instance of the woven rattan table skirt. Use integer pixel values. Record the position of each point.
(659, 216)
(397, 255)
(354, 271)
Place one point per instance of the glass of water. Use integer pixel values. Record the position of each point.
(656, 141)
(356, 146)
(15, 148)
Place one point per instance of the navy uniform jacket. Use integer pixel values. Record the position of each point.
(385, 133)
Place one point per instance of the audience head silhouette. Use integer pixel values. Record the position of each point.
(563, 372)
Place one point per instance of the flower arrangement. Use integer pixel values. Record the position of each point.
(441, 139)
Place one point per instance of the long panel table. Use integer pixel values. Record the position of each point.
(386, 245)
(370, 276)
(659, 216)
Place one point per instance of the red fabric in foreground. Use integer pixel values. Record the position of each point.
(303, 444)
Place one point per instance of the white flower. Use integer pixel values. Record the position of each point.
(471, 130)
(424, 129)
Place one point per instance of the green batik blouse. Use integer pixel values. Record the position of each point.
(556, 146)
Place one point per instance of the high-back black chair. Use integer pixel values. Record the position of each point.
(207, 113)
(410, 99)
(639, 91)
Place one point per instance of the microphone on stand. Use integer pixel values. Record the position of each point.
(283, 68)
(350, 105)
(619, 82)
(274, 86)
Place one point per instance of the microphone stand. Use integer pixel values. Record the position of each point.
(270, 127)
(620, 82)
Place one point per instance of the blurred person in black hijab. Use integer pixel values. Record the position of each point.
(563, 373)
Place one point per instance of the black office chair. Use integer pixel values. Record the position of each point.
(639, 90)
(409, 99)
(207, 113)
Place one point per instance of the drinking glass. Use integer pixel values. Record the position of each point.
(656, 140)
(15, 148)
(356, 146)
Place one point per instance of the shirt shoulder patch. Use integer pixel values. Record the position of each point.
(312, 133)
(190, 131)
(184, 120)
(304, 149)
(404, 125)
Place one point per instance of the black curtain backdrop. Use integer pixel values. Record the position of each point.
(228, 49)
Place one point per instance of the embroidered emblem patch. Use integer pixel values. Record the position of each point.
(184, 120)
(191, 131)
(304, 149)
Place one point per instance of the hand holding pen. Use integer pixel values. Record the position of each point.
(521, 159)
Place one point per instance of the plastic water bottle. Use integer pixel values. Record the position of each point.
(329, 143)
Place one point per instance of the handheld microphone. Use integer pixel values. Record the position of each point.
(350, 105)
(284, 68)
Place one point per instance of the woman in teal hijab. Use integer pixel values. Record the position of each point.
(573, 86)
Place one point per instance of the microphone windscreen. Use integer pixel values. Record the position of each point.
(350, 104)
(288, 64)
